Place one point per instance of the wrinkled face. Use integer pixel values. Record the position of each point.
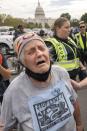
(82, 28)
(36, 56)
(63, 31)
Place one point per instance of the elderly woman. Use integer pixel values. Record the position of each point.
(63, 50)
(41, 98)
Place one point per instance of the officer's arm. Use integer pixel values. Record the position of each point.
(79, 85)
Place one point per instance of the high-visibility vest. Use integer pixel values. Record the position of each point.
(62, 58)
(79, 40)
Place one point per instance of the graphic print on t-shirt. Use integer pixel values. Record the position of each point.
(49, 111)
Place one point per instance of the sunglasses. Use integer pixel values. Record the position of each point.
(82, 27)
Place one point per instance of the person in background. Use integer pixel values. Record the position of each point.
(72, 34)
(41, 97)
(42, 33)
(19, 31)
(5, 74)
(81, 40)
(63, 50)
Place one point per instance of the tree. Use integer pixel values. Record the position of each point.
(10, 21)
(7, 20)
(67, 15)
(40, 25)
(84, 17)
(36, 25)
(0, 20)
(46, 25)
(3, 16)
(31, 25)
(74, 22)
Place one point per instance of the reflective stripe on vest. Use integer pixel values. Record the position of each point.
(70, 64)
(59, 48)
(62, 59)
(80, 41)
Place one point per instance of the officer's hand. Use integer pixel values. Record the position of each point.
(75, 85)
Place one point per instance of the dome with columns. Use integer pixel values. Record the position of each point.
(39, 12)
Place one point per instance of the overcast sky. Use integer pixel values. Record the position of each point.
(52, 8)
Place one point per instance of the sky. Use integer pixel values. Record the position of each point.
(52, 8)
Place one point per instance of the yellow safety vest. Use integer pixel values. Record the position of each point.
(79, 40)
(61, 52)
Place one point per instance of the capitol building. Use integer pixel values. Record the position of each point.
(40, 17)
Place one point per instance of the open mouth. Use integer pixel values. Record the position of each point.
(40, 62)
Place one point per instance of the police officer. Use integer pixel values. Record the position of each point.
(62, 48)
(81, 40)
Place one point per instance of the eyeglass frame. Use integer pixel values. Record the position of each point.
(82, 27)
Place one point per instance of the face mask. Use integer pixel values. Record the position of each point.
(38, 76)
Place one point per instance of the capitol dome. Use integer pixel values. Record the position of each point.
(39, 12)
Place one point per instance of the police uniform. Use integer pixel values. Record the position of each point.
(81, 41)
(64, 52)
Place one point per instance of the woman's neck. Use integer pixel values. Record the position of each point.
(42, 83)
(61, 39)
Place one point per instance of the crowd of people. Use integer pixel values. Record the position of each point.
(43, 97)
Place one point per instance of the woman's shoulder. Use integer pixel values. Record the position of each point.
(16, 83)
(60, 72)
(58, 68)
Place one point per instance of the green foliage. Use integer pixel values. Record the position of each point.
(67, 15)
(84, 17)
(8, 20)
(40, 25)
(30, 25)
(74, 22)
(47, 25)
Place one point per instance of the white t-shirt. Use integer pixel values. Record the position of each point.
(39, 108)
